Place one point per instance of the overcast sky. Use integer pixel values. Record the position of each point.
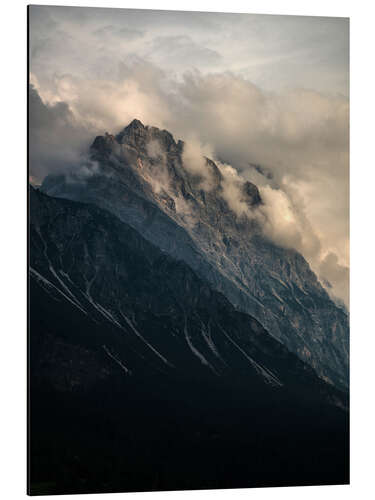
(252, 89)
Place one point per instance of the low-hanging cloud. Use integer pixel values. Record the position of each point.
(337, 277)
(194, 158)
(56, 141)
(232, 190)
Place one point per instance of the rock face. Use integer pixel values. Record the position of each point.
(104, 269)
(137, 367)
(140, 176)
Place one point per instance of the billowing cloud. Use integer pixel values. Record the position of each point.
(194, 157)
(232, 185)
(337, 277)
(56, 141)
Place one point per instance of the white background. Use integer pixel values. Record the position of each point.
(13, 244)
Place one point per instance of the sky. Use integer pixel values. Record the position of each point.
(264, 95)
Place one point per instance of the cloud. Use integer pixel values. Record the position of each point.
(281, 224)
(155, 151)
(194, 158)
(232, 190)
(56, 141)
(275, 52)
(105, 104)
(337, 276)
(157, 172)
(108, 31)
(182, 51)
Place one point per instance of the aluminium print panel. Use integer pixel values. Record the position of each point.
(188, 250)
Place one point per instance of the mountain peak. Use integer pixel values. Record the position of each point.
(132, 133)
(138, 135)
(135, 124)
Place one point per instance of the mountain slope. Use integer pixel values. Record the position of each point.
(174, 320)
(140, 176)
(143, 377)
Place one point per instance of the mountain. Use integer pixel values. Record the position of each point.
(141, 176)
(142, 377)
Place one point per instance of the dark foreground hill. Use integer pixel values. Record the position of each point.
(142, 377)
